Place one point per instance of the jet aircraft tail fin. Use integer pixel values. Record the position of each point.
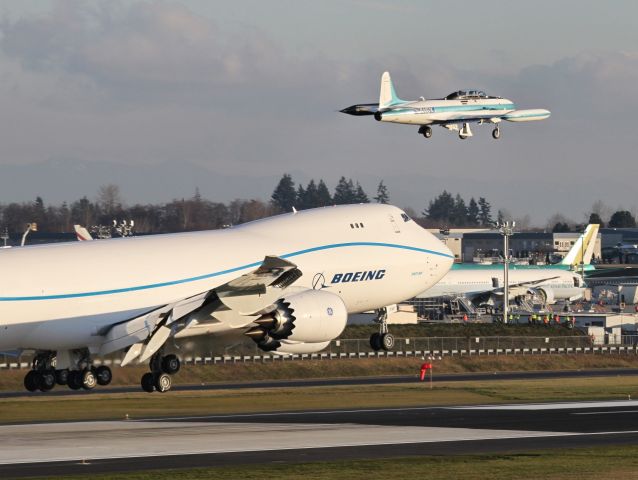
(387, 95)
(583, 248)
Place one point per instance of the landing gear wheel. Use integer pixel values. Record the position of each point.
(163, 382)
(387, 341)
(170, 364)
(375, 341)
(74, 380)
(61, 377)
(47, 380)
(426, 131)
(88, 379)
(462, 137)
(103, 375)
(496, 133)
(32, 381)
(148, 382)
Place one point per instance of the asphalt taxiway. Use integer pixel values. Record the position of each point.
(329, 382)
(263, 438)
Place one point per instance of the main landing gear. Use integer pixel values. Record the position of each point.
(426, 131)
(44, 375)
(496, 133)
(383, 340)
(162, 367)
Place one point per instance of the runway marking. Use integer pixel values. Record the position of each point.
(551, 406)
(605, 413)
(285, 448)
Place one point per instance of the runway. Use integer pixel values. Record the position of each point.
(91, 447)
(325, 382)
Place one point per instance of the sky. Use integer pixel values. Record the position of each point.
(165, 97)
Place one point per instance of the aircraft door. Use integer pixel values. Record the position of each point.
(393, 223)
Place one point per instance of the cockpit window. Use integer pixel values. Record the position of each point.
(405, 217)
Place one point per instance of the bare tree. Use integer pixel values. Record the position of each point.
(109, 198)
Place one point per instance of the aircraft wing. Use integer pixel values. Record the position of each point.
(236, 303)
(514, 288)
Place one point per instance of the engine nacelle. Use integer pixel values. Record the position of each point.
(287, 348)
(547, 294)
(311, 316)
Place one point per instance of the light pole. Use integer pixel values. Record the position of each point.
(506, 229)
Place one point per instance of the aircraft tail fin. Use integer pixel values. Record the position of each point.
(583, 248)
(82, 233)
(387, 95)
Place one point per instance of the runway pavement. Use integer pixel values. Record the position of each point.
(90, 447)
(319, 382)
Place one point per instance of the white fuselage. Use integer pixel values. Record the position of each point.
(563, 284)
(67, 295)
(426, 112)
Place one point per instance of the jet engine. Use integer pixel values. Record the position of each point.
(311, 316)
(545, 294)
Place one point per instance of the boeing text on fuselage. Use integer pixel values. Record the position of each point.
(358, 276)
(455, 112)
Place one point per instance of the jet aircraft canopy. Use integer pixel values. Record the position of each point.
(463, 94)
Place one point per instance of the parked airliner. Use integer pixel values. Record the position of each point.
(288, 282)
(454, 112)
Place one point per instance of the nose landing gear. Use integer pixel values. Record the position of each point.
(496, 133)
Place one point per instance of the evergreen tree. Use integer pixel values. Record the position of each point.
(323, 195)
(311, 198)
(472, 213)
(302, 199)
(284, 197)
(622, 219)
(595, 218)
(441, 209)
(561, 227)
(459, 214)
(360, 196)
(344, 192)
(484, 216)
(382, 194)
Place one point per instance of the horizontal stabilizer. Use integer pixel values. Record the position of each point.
(527, 115)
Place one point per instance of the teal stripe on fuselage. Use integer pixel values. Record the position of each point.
(221, 272)
(454, 108)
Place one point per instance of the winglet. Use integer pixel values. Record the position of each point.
(387, 95)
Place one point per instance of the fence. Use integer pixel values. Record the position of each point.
(404, 347)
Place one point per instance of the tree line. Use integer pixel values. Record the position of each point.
(197, 213)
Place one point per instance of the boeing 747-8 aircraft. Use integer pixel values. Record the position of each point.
(288, 282)
(454, 112)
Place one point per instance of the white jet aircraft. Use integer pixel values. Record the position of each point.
(483, 285)
(454, 112)
(288, 282)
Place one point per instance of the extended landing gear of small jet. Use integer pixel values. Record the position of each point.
(496, 133)
(159, 378)
(465, 131)
(426, 131)
(383, 339)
